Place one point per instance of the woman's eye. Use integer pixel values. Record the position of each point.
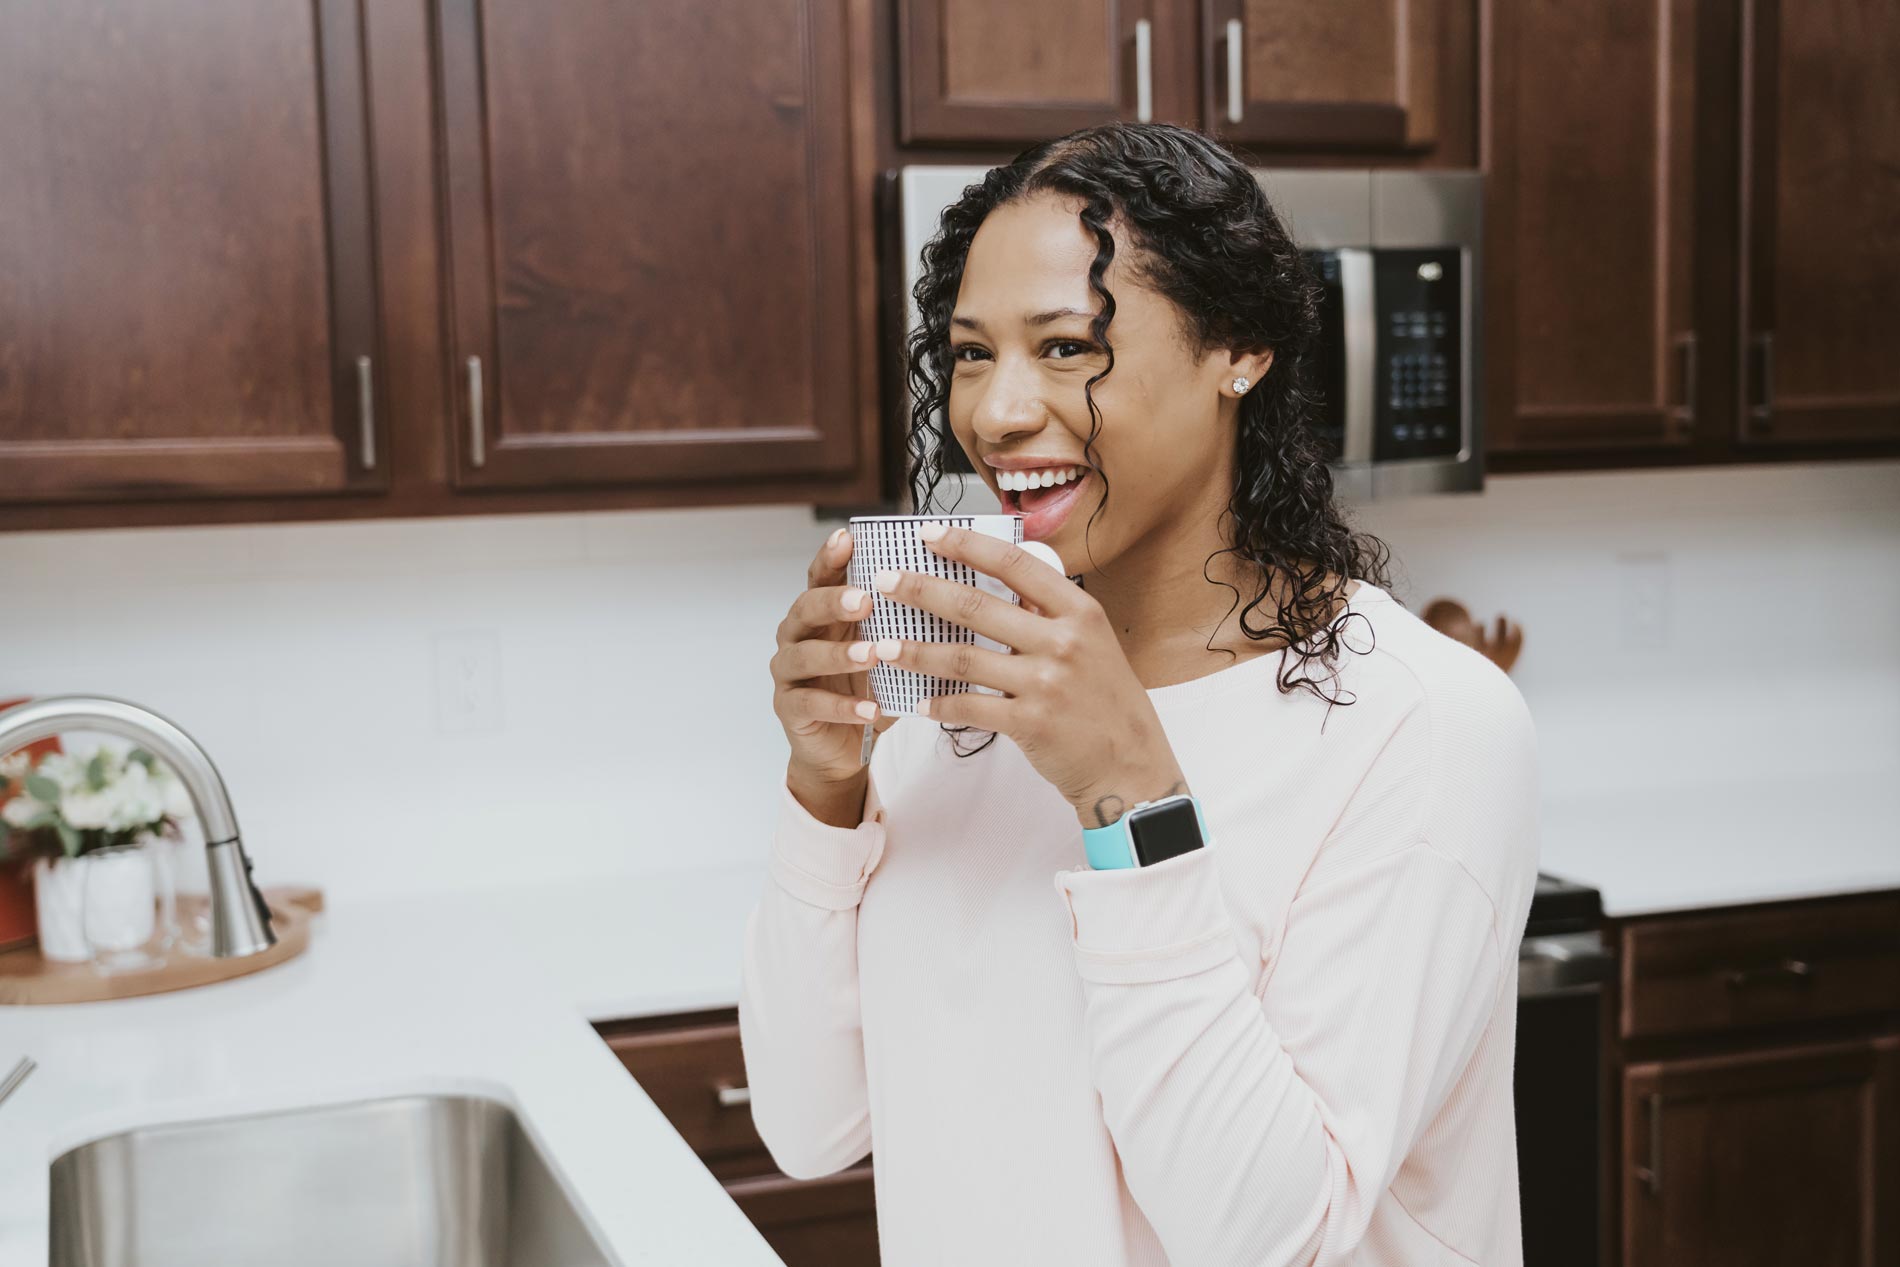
(1064, 349)
(967, 352)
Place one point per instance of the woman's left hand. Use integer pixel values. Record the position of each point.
(1071, 700)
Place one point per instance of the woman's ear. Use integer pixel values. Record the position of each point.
(1245, 370)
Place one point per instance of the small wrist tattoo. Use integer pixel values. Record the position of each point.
(1111, 807)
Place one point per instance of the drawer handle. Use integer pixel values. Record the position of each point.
(731, 1097)
(1788, 971)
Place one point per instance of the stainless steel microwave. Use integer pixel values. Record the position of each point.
(1397, 254)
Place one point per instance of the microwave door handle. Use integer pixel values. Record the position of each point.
(1359, 308)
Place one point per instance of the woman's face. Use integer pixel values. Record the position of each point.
(1020, 354)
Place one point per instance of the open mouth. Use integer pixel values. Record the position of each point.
(1045, 507)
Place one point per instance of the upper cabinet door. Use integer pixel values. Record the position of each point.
(982, 71)
(1589, 210)
(1821, 221)
(650, 222)
(1337, 75)
(187, 302)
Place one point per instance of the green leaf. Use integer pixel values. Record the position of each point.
(145, 759)
(68, 839)
(41, 788)
(6, 785)
(96, 771)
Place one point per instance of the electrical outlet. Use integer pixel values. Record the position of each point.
(1645, 601)
(467, 682)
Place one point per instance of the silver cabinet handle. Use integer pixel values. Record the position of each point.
(733, 1097)
(477, 453)
(1234, 59)
(1763, 410)
(1651, 1175)
(1361, 314)
(1685, 347)
(366, 413)
(1787, 972)
(1144, 71)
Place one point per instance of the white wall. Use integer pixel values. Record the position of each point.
(633, 729)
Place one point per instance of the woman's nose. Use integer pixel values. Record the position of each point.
(1010, 405)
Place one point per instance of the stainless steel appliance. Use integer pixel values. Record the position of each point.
(1563, 966)
(1398, 255)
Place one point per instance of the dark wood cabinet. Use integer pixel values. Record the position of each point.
(1689, 232)
(692, 1068)
(1001, 72)
(1355, 77)
(1590, 324)
(1820, 201)
(187, 293)
(1762, 1159)
(1758, 1057)
(1349, 75)
(829, 1222)
(445, 256)
(649, 240)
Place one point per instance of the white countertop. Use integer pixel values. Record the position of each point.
(482, 993)
(491, 992)
(1728, 845)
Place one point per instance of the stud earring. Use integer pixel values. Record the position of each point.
(1241, 385)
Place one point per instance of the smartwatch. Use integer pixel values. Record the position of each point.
(1151, 832)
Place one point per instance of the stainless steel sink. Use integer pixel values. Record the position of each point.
(414, 1181)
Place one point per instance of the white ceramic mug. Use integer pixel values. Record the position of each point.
(890, 541)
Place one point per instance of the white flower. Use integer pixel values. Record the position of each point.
(19, 810)
(16, 765)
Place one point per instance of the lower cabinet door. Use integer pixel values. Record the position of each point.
(829, 1222)
(1760, 1160)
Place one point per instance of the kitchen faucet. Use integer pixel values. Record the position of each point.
(240, 922)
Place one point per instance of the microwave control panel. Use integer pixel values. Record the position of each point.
(1418, 402)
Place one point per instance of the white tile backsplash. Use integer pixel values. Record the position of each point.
(633, 731)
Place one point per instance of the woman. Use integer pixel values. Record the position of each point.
(1286, 1038)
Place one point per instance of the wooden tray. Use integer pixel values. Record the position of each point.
(25, 977)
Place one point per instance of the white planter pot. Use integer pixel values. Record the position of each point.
(59, 902)
(103, 901)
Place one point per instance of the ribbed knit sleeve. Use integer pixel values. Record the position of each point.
(1265, 1129)
(799, 1019)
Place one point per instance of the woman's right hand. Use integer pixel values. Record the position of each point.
(821, 675)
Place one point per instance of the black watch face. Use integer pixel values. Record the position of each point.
(1167, 831)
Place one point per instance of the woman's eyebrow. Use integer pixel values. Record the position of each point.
(1033, 319)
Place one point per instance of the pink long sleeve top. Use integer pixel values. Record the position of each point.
(1291, 1047)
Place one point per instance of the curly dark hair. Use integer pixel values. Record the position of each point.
(1204, 236)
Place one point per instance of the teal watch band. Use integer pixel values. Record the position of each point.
(1112, 848)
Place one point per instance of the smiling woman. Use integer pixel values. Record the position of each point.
(1268, 1015)
(1199, 392)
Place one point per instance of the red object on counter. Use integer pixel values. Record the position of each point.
(17, 923)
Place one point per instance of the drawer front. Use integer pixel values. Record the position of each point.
(829, 1222)
(1703, 974)
(696, 1075)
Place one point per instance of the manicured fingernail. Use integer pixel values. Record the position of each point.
(931, 531)
(887, 648)
(923, 708)
(853, 599)
(865, 709)
(884, 582)
(860, 651)
(832, 541)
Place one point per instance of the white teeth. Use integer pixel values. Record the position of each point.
(1021, 481)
